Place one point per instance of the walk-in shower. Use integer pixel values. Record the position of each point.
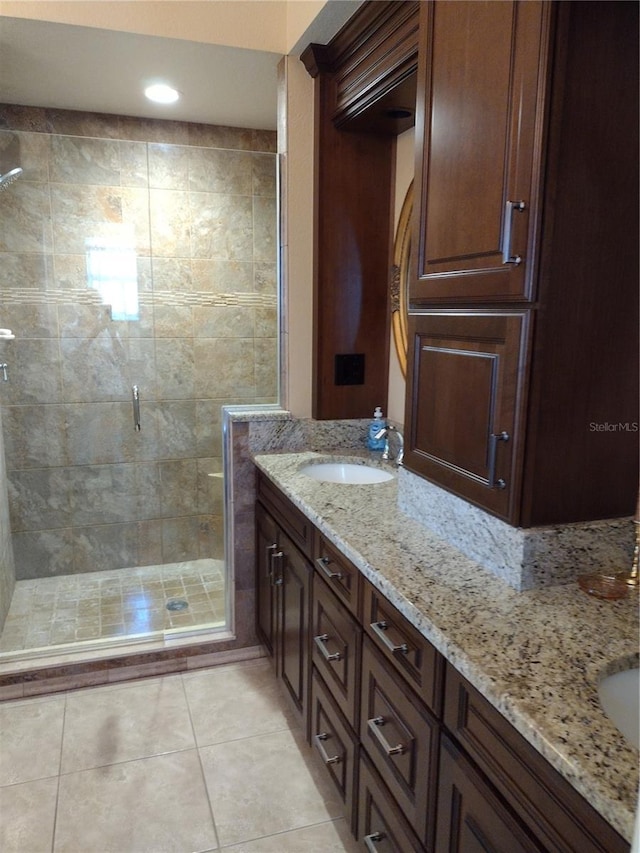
(138, 274)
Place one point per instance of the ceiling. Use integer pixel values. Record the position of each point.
(71, 67)
(84, 68)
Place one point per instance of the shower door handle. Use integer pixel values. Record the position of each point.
(135, 393)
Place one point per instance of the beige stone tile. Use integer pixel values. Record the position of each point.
(235, 701)
(145, 806)
(331, 837)
(28, 814)
(106, 726)
(264, 785)
(30, 740)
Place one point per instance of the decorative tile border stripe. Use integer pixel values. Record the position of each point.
(82, 296)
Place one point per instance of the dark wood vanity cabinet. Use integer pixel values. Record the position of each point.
(283, 591)
(533, 103)
(421, 761)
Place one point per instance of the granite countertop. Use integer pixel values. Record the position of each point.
(536, 656)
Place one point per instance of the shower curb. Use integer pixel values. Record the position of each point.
(122, 667)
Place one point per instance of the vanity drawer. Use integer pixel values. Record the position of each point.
(381, 826)
(334, 742)
(341, 575)
(411, 654)
(335, 648)
(401, 738)
(560, 818)
(295, 523)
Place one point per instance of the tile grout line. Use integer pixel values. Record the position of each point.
(200, 764)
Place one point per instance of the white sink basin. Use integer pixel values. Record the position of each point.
(345, 472)
(619, 696)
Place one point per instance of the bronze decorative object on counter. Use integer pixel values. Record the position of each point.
(616, 584)
(631, 577)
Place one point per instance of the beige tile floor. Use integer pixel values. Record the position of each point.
(58, 611)
(200, 761)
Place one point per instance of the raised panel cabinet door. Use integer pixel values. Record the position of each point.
(465, 402)
(266, 598)
(293, 579)
(482, 70)
(471, 817)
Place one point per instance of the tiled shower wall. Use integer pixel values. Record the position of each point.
(7, 569)
(195, 207)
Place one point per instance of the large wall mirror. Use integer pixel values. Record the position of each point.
(400, 280)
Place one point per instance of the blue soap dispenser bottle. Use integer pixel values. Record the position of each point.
(375, 426)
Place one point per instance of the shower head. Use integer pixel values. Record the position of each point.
(7, 179)
(9, 158)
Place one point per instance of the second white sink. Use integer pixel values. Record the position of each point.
(345, 472)
(619, 697)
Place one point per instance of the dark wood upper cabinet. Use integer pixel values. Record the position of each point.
(533, 102)
(480, 114)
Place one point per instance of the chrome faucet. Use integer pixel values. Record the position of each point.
(385, 433)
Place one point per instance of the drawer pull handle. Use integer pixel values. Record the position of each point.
(323, 564)
(370, 840)
(270, 549)
(333, 759)
(507, 256)
(320, 641)
(378, 629)
(375, 724)
(276, 580)
(494, 438)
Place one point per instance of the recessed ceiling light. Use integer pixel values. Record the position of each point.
(160, 93)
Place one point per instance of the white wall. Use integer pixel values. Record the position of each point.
(241, 23)
(295, 147)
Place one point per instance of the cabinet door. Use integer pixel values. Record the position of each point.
(293, 579)
(266, 549)
(479, 116)
(464, 403)
(471, 817)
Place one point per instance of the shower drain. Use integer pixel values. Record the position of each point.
(177, 604)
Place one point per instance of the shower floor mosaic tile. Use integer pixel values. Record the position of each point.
(119, 603)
